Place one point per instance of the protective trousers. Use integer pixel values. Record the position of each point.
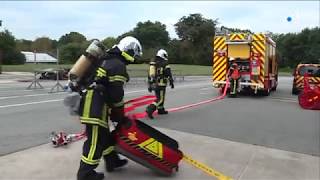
(160, 93)
(94, 114)
(99, 143)
(234, 83)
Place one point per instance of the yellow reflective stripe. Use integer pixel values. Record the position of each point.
(113, 80)
(108, 150)
(167, 66)
(127, 56)
(101, 72)
(94, 121)
(88, 161)
(161, 98)
(117, 78)
(234, 87)
(87, 104)
(93, 142)
(118, 104)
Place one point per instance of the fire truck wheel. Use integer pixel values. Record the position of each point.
(295, 91)
(265, 92)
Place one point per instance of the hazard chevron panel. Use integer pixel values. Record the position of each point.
(219, 68)
(312, 80)
(259, 47)
(237, 37)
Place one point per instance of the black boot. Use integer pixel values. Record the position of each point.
(150, 109)
(93, 176)
(113, 161)
(86, 172)
(162, 111)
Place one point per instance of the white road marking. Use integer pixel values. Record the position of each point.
(17, 90)
(284, 99)
(30, 103)
(28, 95)
(48, 101)
(46, 94)
(56, 100)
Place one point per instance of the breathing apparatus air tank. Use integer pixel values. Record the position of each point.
(85, 62)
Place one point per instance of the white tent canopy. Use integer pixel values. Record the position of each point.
(32, 57)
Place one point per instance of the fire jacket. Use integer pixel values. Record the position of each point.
(161, 73)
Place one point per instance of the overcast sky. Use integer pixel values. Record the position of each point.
(100, 19)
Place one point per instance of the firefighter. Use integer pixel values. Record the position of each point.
(103, 99)
(234, 76)
(158, 77)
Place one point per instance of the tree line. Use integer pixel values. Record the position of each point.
(193, 45)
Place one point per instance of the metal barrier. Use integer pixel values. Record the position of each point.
(35, 80)
(35, 84)
(57, 85)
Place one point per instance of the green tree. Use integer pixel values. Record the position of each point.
(196, 33)
(152, 36)
(71, 47)
(109, 42)
(293, 48)
(8, 51)
(69, 53)
(72, 37)
(23, 45)
(42, 44)
(177, 52)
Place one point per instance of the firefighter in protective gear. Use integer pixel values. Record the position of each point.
(234, 76)
(103, 100)
(159, 75)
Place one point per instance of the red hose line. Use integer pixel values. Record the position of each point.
(144, 114)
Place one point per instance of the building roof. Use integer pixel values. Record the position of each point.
(32, 57)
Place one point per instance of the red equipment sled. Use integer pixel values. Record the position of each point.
(310, 96)
(148, 147)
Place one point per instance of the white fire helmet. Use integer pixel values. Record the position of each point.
(130, 47)
(163, 54)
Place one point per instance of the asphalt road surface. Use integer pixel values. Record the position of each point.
(28, 116)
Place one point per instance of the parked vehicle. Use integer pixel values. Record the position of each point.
(51, 74)
(313, 71)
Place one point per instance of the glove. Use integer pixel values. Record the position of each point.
(96, 49)
(73, 86)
